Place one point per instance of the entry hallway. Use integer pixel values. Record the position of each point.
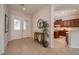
(28, 46)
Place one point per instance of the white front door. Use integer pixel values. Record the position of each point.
(26, 28)
(16, 28)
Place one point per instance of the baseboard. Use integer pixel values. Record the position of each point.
(2, 54)
(27, 38)
(21, 38)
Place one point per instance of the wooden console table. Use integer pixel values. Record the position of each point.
(37, 36)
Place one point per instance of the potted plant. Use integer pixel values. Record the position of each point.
(45, 30)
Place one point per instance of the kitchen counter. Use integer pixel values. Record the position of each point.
(69, 29)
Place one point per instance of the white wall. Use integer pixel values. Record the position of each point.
(52, 26)
(3, 37)
(45, 14)
(19, 34)
(6, 35)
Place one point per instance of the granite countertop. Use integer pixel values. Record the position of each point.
(69, 29)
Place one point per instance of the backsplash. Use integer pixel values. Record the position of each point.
(67, 28)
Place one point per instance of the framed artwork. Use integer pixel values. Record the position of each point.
(6, 23)
(39, 23)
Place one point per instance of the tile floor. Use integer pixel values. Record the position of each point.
(29, 47)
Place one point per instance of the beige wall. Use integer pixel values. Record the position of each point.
(6, 35)
(45, 14)
(3, 35)
(1, 30)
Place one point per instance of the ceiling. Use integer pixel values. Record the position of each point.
(66, 10)
(30, 8)
(65, 6)
(59, 9)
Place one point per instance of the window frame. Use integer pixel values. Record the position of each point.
(15, 26)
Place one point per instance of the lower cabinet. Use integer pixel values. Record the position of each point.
(57, 34)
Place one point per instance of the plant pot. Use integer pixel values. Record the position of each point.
(45, 44)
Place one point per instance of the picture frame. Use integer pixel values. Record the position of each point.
(39, 23)
(6, 23)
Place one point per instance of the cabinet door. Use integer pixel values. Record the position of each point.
(66, 23)
(62, 24)
(71, 23)
(77, 23)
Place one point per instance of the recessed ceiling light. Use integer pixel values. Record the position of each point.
(74, 10)
(63, 12)
(24, 9)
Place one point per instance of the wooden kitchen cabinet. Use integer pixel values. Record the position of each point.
(68, 23)
(77, 23)
(74, 23)
(57, 22)
(63, 33)
(56, 34)
(65, 23)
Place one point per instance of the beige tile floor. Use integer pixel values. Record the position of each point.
(60, 42)
(29, 47)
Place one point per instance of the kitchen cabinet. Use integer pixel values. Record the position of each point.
(63, 33)
(74, 23)
(57, 22)
(68, 23)
(57, 34)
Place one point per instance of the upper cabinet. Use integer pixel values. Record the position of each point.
(68, 23)
(57, 23)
